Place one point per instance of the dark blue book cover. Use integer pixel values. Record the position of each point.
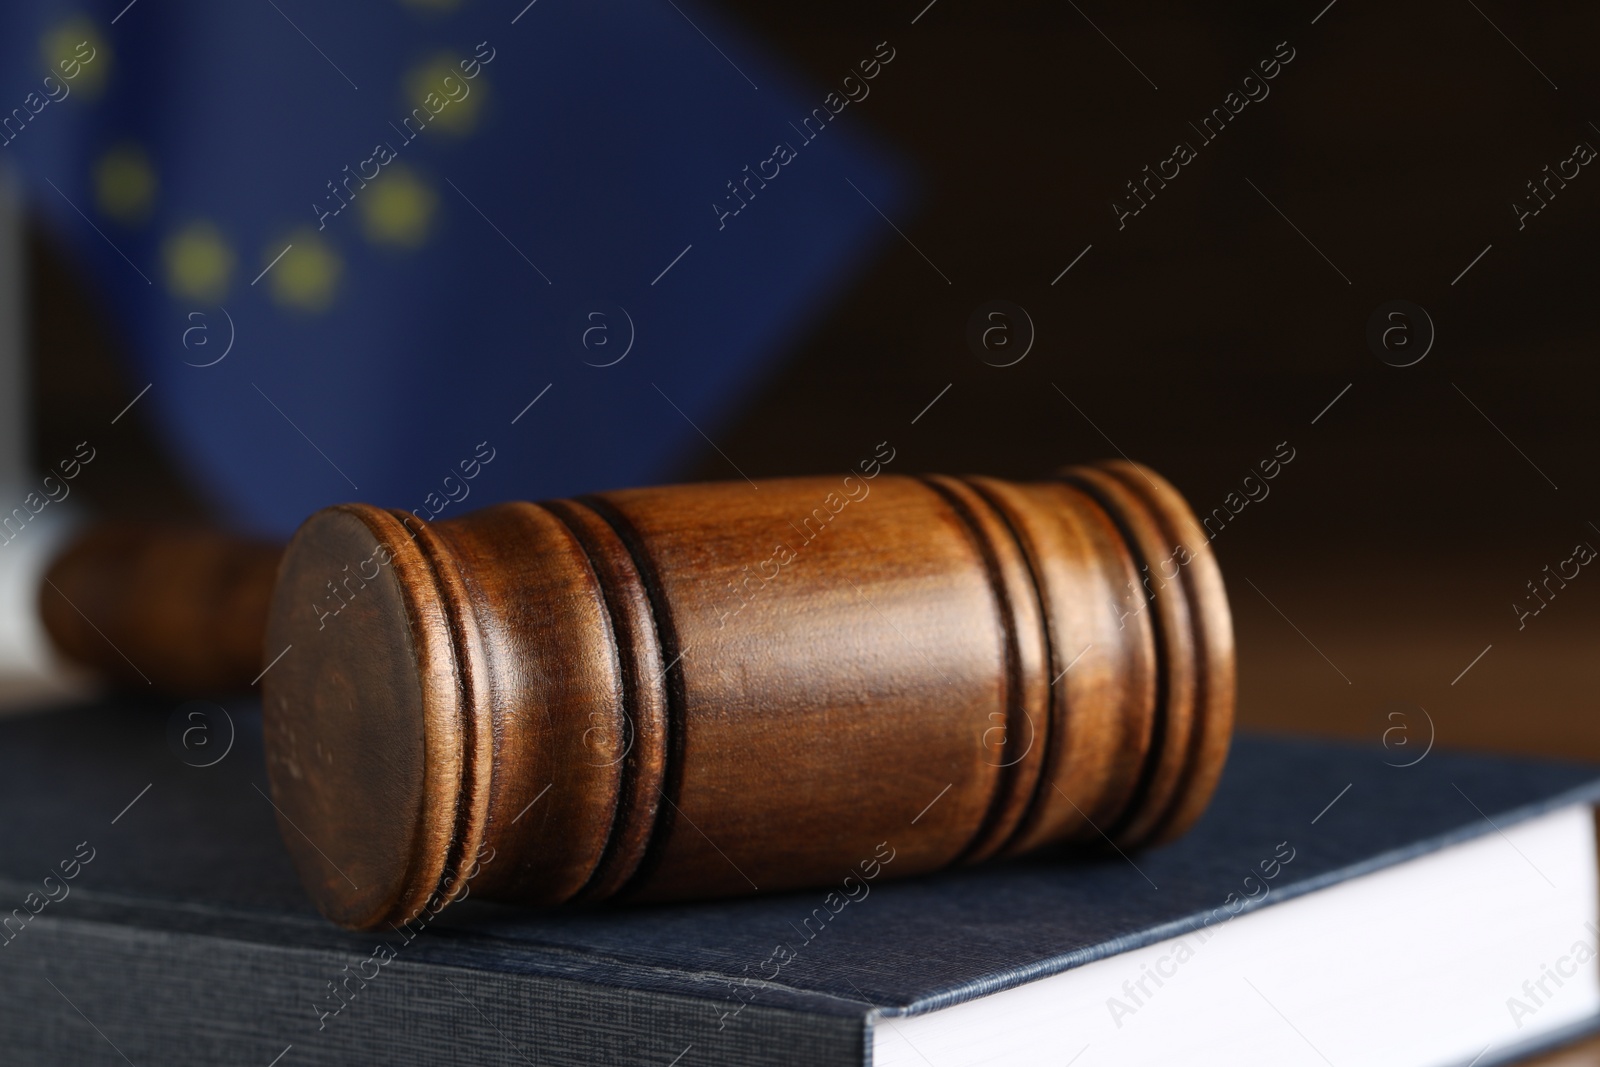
(181, 934)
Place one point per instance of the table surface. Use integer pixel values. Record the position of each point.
(1581, 1054)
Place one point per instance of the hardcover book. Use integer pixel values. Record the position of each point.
(1329, 908)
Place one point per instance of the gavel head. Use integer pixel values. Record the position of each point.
(718, 689)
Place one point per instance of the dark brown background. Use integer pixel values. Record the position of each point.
(1209, 330)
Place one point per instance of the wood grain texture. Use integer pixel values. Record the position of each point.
(716, 689)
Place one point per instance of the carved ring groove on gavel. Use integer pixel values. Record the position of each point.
(704, 690)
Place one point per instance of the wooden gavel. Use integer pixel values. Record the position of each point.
(716, 689)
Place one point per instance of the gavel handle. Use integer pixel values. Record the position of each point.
(181, 610)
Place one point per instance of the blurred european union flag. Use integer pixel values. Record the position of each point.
(350, 244)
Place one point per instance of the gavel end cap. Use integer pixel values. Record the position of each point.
(362, 718)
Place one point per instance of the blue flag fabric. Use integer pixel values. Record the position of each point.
(350, 244)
